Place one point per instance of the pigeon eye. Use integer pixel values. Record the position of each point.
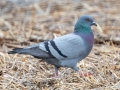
(87, 19)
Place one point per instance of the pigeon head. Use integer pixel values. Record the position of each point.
(84, 23)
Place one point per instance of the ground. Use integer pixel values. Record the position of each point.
(24, 23)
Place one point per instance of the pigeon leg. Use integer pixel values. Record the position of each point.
(80, 72)
(56, 71)
(84, 73)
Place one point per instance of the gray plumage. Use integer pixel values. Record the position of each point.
(67, 50)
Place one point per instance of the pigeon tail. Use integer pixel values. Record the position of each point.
(34, 51)
(16, 50)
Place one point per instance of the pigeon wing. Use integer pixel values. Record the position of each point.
(65, 47)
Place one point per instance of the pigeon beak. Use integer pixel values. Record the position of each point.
(94, 24)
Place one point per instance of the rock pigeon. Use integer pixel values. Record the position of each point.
(67, 50)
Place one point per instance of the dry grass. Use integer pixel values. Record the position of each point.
(25, 24)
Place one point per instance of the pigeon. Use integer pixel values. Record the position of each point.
(66, 50)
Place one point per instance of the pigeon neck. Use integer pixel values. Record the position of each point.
(85, 33)
(82, 29)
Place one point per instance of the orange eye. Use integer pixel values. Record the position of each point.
(87, 19)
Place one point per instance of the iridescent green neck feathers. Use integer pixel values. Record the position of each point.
(82, 29)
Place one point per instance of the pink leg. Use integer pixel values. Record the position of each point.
(84, 73)
(56, 71)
